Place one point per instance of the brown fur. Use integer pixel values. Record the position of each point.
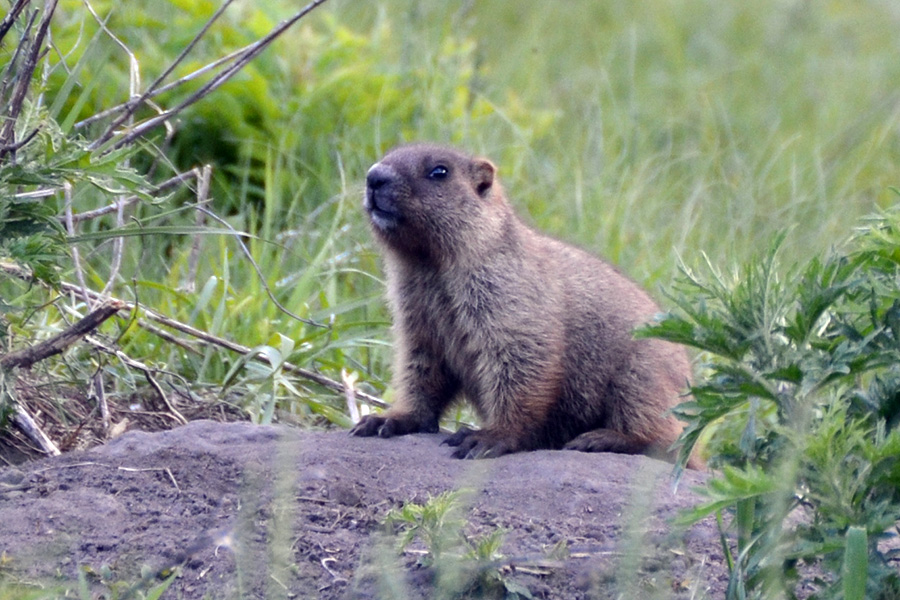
(536, 334)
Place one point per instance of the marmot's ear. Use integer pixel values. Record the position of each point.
(482, 175)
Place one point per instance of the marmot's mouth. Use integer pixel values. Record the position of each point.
(380, 210)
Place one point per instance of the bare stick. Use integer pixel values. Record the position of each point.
(76, 255)
(10, 69)
(9, 76)
(118, 247)
(202, 201)
(170, 86)
(134, 82)
(21, 143)
(165, 335)
(59, 342)
(105, 210)
(100, 395)
(30, 428)
(350, 394)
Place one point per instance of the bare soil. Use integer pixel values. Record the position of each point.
(244, 511)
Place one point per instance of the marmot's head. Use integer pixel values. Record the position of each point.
(431, 202)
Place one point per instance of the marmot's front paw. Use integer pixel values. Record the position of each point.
(371, 425)
(387, 426)
(479, 444)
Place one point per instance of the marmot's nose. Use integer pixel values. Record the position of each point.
(378, 176)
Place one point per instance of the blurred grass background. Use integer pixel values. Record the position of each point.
(639, 130)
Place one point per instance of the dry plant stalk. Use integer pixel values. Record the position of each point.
(27, 425)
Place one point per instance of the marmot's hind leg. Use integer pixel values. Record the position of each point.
(610, 440)
(607, 440)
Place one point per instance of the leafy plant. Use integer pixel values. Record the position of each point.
(798, 407)
(463, 564)
(85, 206)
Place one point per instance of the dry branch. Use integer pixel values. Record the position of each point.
(132, 105)
(29, 427)
(11, 17)
(206, 338)
(168, 87)
(7, 131)
(59, 342)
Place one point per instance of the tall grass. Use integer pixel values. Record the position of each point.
(689, 125)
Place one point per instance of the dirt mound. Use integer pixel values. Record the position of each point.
(254, 512)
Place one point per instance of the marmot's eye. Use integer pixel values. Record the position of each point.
(439, 172)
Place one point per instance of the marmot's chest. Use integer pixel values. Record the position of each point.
(453, 307)
(467, 317)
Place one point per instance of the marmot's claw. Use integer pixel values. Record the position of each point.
(369, 426)
(455, 439)
(479, 444)
(389, 426)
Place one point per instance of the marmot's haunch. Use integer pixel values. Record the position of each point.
(536, 334)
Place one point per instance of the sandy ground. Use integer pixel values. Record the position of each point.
(245, 511)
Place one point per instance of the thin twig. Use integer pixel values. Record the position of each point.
(7, 133)
(147, 371)
(135, 102)
(251, 52)
(128, 201)
(149, 470)
(202, 201)
(76, 255)
(178, 82)
(10, 18)
(13, 148)
(100, 395)
(349, 382)
(26, 423)
(165, 335)
(134, 82)
(9, 75)
(118, 247)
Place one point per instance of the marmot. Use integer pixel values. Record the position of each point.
(535, 333)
